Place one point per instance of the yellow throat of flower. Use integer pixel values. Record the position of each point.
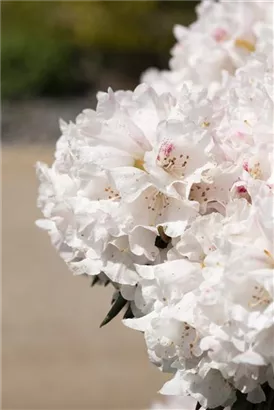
(139, 163)
(245, 44)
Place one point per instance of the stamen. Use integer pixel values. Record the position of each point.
(205, 124)
(270, 256)
(111, 193)
(157, 202)
(255, 171)
(194, 342)
(261, 296)
(174, 165)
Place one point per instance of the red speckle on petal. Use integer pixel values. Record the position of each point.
(167, 148)
(241, 189)
(245, 166)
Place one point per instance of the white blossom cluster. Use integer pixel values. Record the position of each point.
(187, 159)
(175, 403)
(219, 41)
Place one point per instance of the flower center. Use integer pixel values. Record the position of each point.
(156, 202)
(256, 171)
(260, 297)
(170, 161)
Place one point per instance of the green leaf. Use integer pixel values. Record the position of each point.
(114, 296)
(162, 240)
(243, 404)
(95, 280)
(128, 314)
(160, 243)
(117, 306)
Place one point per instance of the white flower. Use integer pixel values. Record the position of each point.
(176, 403)
(210, 391)
(222, 39)
(169, 195)
(203, 312)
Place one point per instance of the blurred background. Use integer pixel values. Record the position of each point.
(55, 57)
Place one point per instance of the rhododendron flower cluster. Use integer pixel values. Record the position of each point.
(219, 41)
(176, 403)
(167, 192)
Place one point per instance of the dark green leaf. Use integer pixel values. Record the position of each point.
(243, 404)
(128, 314)
(95, 280)
(160, 243)
(114, 297)
(117, 306)
(162, 240)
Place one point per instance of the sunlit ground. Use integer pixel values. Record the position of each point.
(54, 354)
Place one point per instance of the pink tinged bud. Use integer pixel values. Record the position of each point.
(245, 166)
(219, 34)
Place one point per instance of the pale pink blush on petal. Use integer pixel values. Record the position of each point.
(219, 34)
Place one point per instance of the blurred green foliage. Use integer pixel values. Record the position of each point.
(64, 47)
